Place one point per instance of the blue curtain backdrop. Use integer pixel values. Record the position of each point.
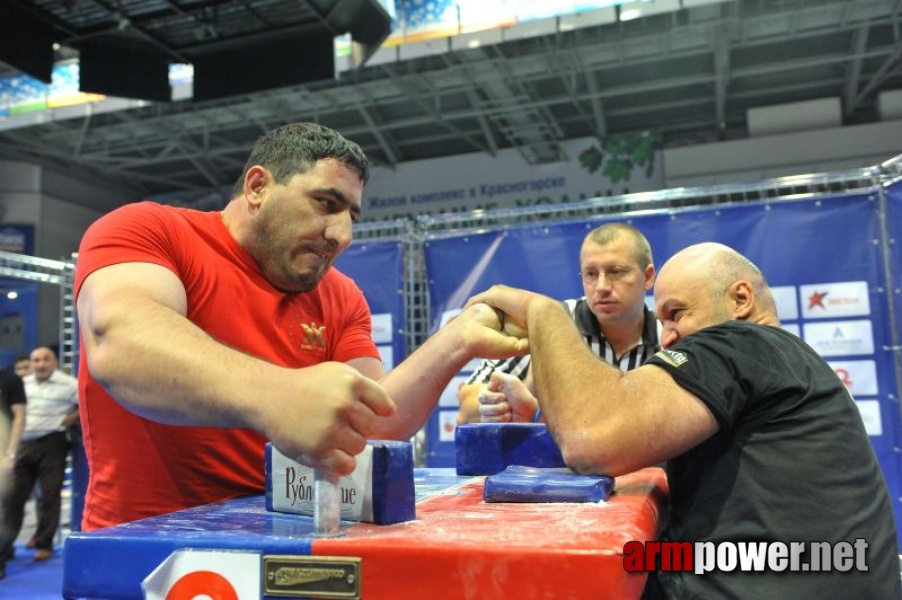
(808, 249)
(378, 269)
(894, 228)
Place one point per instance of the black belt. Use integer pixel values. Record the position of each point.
(43, 437)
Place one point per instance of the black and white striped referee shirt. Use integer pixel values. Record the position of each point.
(588, 326)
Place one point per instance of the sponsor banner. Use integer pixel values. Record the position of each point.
(870, 415)
(382, 328)
(824, 300)
(387, 354)
(840, 338)
(447, 423)
(792, 328)
(437, 19)
(617, 165)
(449, 396)
(192, 574)
(18, 239)
(787, 305)
(860, 376)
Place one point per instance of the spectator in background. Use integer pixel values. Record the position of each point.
(52, 407)
(616, 269)
(23, 369)
(12, 422)
(22, 366)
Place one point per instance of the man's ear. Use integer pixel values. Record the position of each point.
(649, 276)
(256, 183)
(742, 299)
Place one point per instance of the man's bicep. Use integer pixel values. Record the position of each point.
(122, 301)
(123, 285)
(677, 419)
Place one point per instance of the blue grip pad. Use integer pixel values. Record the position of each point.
(380, 490)
(489, 448)
(530, 484)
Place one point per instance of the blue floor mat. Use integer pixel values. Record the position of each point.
(28, 580)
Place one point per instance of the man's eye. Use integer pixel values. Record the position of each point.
(329, 204)
(675, 314)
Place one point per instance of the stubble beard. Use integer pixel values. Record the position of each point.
(276, 262)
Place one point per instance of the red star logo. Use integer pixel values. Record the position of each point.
(817, 299)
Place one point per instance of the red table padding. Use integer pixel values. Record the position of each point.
(461, 547)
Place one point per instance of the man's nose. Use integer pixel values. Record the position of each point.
(669, 336)
(603, 282)
(339, 230)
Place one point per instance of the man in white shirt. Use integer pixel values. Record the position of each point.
(52, 407)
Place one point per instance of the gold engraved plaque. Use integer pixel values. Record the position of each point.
(311, 576)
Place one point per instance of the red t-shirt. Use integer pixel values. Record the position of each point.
(141, 468)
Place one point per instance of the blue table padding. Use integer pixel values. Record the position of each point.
(106, 558)
(530, 484)
(393, 494)
(117, 559)
(489, 448)
(458, 548)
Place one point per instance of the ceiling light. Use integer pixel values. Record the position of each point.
(630, 14)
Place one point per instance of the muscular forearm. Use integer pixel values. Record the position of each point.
(581, 399)
(416, 384)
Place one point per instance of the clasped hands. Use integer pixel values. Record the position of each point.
(505, 398)
(511, 306)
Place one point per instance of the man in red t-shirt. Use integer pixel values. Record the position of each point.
(205, 334)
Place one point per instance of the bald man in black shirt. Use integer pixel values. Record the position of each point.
(764, 445)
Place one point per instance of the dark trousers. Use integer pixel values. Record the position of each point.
(43, 461)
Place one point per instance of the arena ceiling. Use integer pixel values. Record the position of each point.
(690, 75)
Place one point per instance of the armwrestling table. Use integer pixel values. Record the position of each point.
(459, 547)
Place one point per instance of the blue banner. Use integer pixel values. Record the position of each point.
(18, 319)
(378, 269)
(18, 238)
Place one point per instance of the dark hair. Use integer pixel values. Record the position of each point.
(296, 147)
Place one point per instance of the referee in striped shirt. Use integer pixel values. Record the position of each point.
(617, 270)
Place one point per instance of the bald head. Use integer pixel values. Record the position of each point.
(708, 284)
